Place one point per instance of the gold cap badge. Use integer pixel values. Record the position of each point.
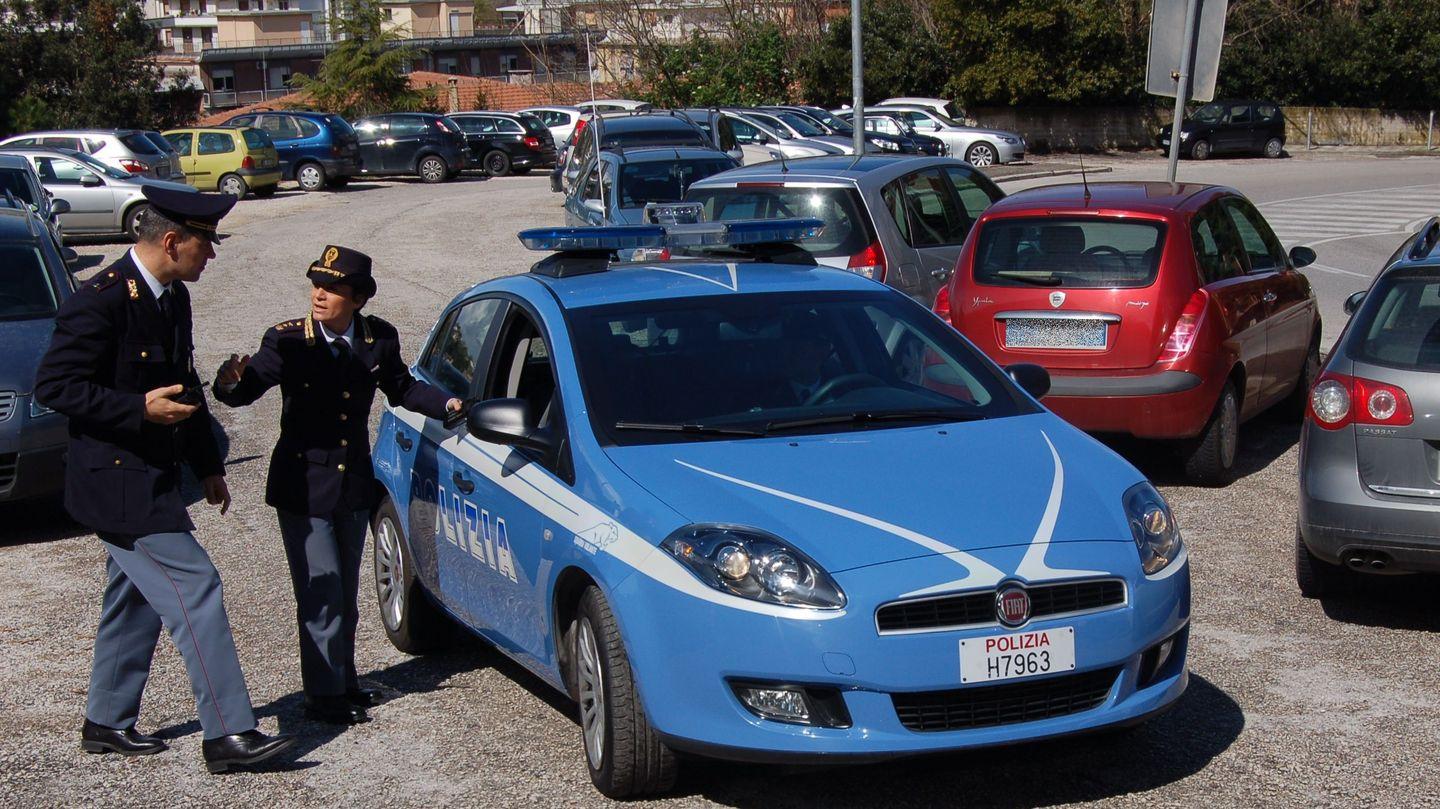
(330, 255)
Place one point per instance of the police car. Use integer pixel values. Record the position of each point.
(739, 505)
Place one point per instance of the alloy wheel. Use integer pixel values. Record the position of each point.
(232, 185)
(389, 574)
(1229, 430)
(432, 170)
(1273, 147)
(311, 178)
(981, 155)
(590, 685)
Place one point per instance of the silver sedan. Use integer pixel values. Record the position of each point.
(103, 200)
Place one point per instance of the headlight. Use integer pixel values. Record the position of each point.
(752, 564)
(1157, 537)
(888, 145)
(37, 410)
(1184, 135)
(1009, 139)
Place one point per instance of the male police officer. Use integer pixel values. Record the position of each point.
(328, 365)
(121, 367)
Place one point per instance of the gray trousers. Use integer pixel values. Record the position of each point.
(324, 555)
(165, 580)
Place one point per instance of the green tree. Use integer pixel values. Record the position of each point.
(900, 58)
(363, 74)
(749, 67)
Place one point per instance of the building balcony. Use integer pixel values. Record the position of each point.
(224, 100)
(185, 21)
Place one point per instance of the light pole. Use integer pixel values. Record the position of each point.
(1182, 91)
(857, 69)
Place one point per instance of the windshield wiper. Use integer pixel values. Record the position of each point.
(1037, 280)
(864, 417)
(690, 429)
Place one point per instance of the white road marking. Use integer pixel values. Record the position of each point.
(1323, 218)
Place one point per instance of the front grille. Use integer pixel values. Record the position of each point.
(978, 608)
(8, 400)
(991, 705)
(8, 463)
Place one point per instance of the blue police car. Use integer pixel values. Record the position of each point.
(739, 505)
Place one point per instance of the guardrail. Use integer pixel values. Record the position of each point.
(224, 100)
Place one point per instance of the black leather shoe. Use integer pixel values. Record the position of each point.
(335, 710)
(365, 697)
(100, 739)
(242, 749)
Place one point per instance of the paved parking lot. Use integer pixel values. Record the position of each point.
(1291, 702)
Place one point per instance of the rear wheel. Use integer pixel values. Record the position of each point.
(132, 217)
(310, 176)
(1273, 148)
(1200, 149)
(1210, 457)
(625, 756)
(432, 169)
(497, 163)
(413, 624)
(234, 185)
(1316, 577)
(980, 155)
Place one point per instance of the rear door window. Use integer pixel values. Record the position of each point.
(1261, 246)
(214, 143)
(936, 217)
(1240, 114)
(1219, 252)
(181, 141)
(279, 127)
(1404, 326)
(1069, 252)
(407, 126)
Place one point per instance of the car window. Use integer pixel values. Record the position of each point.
(63, 142)
(485, 125)
(521, 368)
(1267, 113)
(214, 143)
(138, 143)
(921, 120)
(936, 217)
(1240, 114)
(406, 126)
(1069, 252)
(744, 132)
(279, 127)
(243, 120)
(306, 127)
(1400, 324)
(1219, 253)
(468, 124)
(884, 125)
(459, 346)
(102, 168)
(592, 183)
(975, 189)
(1209, 114)
(257, 138)
(159, 141)
(1261, 245)
(23, 142)
(181, 141)
(26, 289)
(665, 180)
(14, 182)
(509, 127)
(894, 199)
(531, 124)
(59, 171)
(369, 129)
(847, 228)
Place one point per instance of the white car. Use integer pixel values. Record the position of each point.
(605, 105)
(757, 141)
(796, 127)
(949, 109)
(559, 120)
(130, 150)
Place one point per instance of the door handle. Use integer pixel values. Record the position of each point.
(1269, 297)
(405, 443)
(942, 274)
(465, 486)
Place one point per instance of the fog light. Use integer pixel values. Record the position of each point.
(780, 704)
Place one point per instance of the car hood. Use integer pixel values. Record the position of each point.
(872, 496)
(25, 342)
(993, 133)
(173, 186)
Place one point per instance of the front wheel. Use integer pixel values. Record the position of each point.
(234, 185)
(1210, 458)
(433, 170)
(497, 163)
(412, 623)
(981, 155)
(310, 176)
(1273, 148)
(1200, 149)
(625, 756)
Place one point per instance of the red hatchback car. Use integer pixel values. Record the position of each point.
(1161, 311)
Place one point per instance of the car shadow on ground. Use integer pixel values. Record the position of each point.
(41, 519)
(1202, 725)
(1262, 440)
(1391, 602)
(83, 263)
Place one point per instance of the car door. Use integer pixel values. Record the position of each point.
(1290, 314)
(494, 489)
(434, 510)
(473, 126)
(584, 206)
(406, 137)
(184, 143)
(1234, 133)
(215, 155)
(936, 223)
(92, 201)
(370, 134)
(284, 132)
(1240, 297)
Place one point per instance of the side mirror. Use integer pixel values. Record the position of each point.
(1353, 302)
(1031, 378)
(508, 422)
(594, 205)
(90, 181)
(59, 206)
(1302, 256)
(69, 255)
(762, 139)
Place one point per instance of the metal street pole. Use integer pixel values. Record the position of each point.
(857, 69)
(1182, 91)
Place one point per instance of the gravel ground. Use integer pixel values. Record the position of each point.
(1291, 702)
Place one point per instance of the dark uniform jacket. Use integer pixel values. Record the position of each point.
(111, 346)
(322, 460)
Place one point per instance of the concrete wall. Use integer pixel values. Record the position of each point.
(1348, 126)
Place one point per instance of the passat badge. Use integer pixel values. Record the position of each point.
(1056, 299)
(1012, 606)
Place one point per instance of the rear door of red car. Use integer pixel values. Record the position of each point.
(1240, 296)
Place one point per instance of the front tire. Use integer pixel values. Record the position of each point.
(412, 623)
(1210, 458)
(1316, 577)
(980, 155)
(432, 169)
(497, 163)
(624, 754)
(1200, 150)
(310, 176)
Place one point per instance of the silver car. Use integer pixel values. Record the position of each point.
(900, 220)
(130, 150)
(626, 180)
(1370, 446)
(978, 146)
(103, 200)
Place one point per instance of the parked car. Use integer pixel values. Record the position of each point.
(129, 150)
(560, 121)
(944, 107)
(502, 142)
(315, 149)
(794, 126)
(897, 126)
(102, 199)
(978, 147)
(237, 161)
(648, 512)
(605, 105)
(420, 143)
(1252, 127)
(626, 131)
(33, 283)
(897, 142)
(1369, 481)
(750, 139)
(616, 191)
(19, 181)
(177, 173)
(1161, 311)
(898, 220)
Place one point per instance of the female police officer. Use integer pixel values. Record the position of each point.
(328, 365)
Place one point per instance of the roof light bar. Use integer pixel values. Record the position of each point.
(700, 234)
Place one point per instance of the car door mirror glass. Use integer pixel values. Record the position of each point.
(506, 421)
(1302, 256)
(1353, 302)
(89, 180)
(594, 205)
(68, 255)
(1032, 378)
(59, 206)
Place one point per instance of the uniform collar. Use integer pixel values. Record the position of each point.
(156, 288)
(331, 337)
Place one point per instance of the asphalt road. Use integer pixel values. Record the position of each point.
(1291, 702)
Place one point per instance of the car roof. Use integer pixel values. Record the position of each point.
(826, 168)
(625, 283)
(63, 151)
(1149, 197)
(556, 107)
(646, 122)
(656, 154)
(13, 161)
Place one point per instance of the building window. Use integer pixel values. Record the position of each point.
(448, 65)
(389, 14)
(509, 62)
(284, 5)
(223, 80)
(242, 5)
(474, 65)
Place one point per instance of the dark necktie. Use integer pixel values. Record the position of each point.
(166, 308)
(342, 350)
(167, 314)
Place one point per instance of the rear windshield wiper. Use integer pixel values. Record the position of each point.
(690, 429)
(1026, 278)
(863, 417)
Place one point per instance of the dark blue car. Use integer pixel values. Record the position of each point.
(316, 149)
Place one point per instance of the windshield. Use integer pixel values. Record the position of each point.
(26, 292)
(1069, 252)
(829, 119)
(847, 230)
(108, 170)
(160, 142)
(665, 180)
(735, 365)
(1403, 326)
(800, 124)
(340, 124)
(138, 143)
(1209, 114)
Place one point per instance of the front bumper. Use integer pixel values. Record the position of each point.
(1011, 152)
(1167, 404)
(32, 459)
(685, 676)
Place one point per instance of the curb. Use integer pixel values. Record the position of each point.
(1035, 175)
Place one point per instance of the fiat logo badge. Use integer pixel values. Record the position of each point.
(1012, 606)
(1056, 299)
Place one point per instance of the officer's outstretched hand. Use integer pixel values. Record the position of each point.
(233, 369)
(161, 409)
(216, 492)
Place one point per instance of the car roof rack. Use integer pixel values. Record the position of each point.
(1426, 239)
(586, 250)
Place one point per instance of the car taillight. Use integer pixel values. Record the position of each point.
(580, 126)
(248, 162)
(942, 302)
(532, 141)
(1338, 400)
(1182, 337)
(869, 262)
(335, 151)
(133, 166)
(440, 125)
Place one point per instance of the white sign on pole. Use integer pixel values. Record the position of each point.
(1167, 48)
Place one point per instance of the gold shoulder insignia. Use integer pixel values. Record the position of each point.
(104, 280)
(288, 325)
(134, 290)
(309, 329)
(365, 329)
